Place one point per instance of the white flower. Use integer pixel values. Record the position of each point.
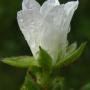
(47, 25)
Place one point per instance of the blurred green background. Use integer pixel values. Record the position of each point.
(12, 43)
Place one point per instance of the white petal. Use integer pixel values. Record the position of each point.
(56, 17)
(30, 4)
(48, 5)
(69, 8)
(30, 23)
(53, 42)
(40, 33)
(54, 37)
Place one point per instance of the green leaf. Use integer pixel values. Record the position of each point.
(68, 59)
(21, 61)
(45, 61)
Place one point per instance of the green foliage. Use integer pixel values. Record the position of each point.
(29, 84)
(44, 59)
(21, 61)
(42, 69)
(58, 84)
(86, 87)
(72, 56)
(45, 62)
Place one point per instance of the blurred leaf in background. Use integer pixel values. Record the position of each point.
(12, 43)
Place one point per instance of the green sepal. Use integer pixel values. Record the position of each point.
(44, 59)
(71, 48)
(66, 51)
(71, 57)
(21, 61)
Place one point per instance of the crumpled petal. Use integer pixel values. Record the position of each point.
(30, 4)
(48, 5)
